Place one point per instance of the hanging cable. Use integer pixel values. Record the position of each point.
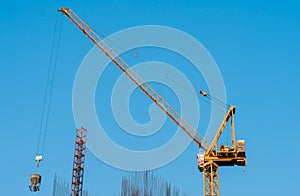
(213, 99)
(141, 58)
(218, 101)
(35, 179)
(52, 82)
(43, 128)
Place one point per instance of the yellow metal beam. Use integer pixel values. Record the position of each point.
(213, 144)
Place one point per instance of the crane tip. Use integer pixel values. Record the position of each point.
(63, 9)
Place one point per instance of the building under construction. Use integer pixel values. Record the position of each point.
(145, 183)
(142, 183)
(62, 188)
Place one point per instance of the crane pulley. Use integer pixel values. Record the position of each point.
(212, 158)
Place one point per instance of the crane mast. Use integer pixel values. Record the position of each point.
(212, 158)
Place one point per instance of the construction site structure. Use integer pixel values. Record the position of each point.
(145, 183)
(212, 158)
(61, 188)
(78, 163)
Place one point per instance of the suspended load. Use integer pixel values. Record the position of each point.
(35, 179)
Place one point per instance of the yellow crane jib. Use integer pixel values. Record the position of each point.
(135, 78)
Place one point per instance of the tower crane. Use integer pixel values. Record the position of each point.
(212, 158)
(209, 162)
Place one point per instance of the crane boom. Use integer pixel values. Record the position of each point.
(134, 77)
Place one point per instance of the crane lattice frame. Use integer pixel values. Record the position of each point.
(78, 163)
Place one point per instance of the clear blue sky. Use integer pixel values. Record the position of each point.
(255, 43)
